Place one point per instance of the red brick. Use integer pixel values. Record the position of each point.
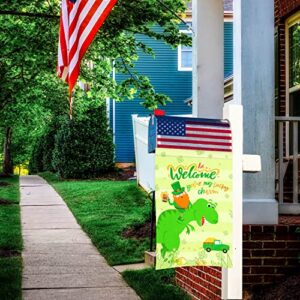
(263, 253)
(215, 290)
(286, 270)
(246, 228)
(252, 261)
(282, 228)
(263, 270)
(269, 229)
(214, 272)
(246, 236)
(294, 229)
(262, 236)
(274, 245)
(252, 245)
(287, 253)
(246, 253)
(274, 261)
(253, 279)
(216, 282)
(293, 244)
(246, 270)
(272, 278)
(211, 295)
(256, 228)
(286, 236)
(293, 262)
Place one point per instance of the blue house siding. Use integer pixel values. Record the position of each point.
(228, 49)
(165, 77)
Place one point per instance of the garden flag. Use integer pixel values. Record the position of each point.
(79, 22)
(193, 184)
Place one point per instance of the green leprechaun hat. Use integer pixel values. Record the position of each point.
(177, 188)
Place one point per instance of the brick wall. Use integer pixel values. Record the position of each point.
(269, 253)
(200, 282)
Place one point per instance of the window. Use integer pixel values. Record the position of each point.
(185, 55)
(293, 64)
(294, 53)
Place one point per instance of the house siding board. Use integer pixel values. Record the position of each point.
(228, 49)
(165, 77)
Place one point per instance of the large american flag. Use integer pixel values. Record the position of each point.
(193, 134)
(79, 22)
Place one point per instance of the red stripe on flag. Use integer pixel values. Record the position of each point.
(208, 130)
(166, 140)
(207, 124)
(194, 148)
(78, 12)
(83, 25)
(218, 137)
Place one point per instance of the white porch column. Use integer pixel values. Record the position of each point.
(254, 89)
(208, 58)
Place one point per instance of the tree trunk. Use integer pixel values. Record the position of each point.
(7, 162)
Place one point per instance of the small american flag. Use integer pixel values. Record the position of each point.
(193, 134)
(79, 22)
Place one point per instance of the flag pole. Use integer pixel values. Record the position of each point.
(70, 105)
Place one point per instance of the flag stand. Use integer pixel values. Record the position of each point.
(152, 196)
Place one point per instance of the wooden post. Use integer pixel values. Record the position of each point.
(208, 58)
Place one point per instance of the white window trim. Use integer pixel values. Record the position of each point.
(289, 23)
(227, 18)
(179, 56)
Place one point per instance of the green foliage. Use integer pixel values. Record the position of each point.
(36, 160)
(104, 209)
(49, 144)
(84, 147)
(151, 284)
(10, 239)
(10, 278)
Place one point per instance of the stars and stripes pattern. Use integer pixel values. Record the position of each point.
(193, 134)
(79, 22)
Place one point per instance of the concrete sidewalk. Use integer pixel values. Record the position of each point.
(59, 259)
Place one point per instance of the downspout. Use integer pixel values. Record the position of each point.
(114, 107)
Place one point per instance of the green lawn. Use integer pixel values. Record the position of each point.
(151, 284)
(10, 239)
(104, 209)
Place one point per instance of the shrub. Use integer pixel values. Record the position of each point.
(49, 145)
(41, 158)
(84, 148)
(36, 161)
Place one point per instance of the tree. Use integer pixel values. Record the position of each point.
(28, 85)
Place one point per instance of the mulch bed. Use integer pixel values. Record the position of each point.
(9, 253)
(123, 174)
(287, 290)
(138, 232)
(120, 174)
(4, 184)
(289, 219)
